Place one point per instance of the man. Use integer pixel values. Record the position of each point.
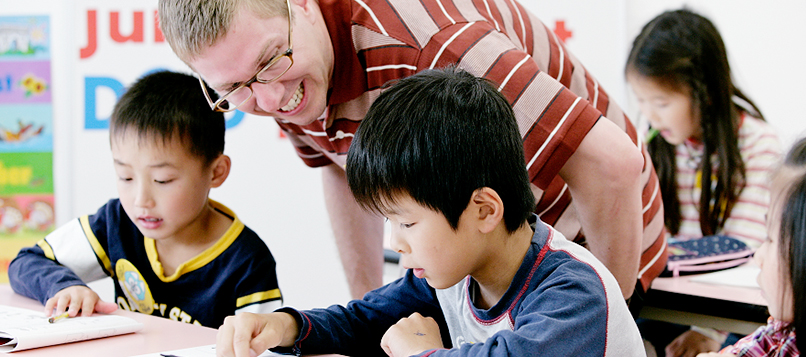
(316, 66)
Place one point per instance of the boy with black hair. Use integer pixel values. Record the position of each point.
(171, 250)
(439, 155)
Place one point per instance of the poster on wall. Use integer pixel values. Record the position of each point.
(26, 135)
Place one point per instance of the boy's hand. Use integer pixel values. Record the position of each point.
(411, 335)
(78, 298)
(248, 334)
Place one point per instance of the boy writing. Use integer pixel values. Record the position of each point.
(171, 250)
(440, 156)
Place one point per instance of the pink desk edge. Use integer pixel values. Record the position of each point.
(684, 285)
(157, 335)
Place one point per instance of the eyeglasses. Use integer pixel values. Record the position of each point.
(273, 70)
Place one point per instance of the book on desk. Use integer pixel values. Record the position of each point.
(22, 329)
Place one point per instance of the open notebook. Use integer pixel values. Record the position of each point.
(22, 329)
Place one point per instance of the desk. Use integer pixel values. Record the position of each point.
(729, 308)
(157, 335)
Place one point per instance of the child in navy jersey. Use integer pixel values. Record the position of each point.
(171, 250)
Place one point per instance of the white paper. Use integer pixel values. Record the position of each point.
(742, 276)
(30, 329)
(201, 351)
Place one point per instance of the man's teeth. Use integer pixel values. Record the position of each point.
(295, 99)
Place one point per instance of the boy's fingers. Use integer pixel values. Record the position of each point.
(224, 347)
(241, 341)
(49, 306)
(88, 306)
(75, 306)
(227, 345)
(266, 339)
(105, 307)
(244, 334)
(62, 304)
(387, 350)
(385, 344)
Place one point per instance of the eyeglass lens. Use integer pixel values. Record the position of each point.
(269, 74)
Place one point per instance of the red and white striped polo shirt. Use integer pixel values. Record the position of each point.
(556, 101)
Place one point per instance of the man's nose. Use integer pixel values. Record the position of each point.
(269, 96)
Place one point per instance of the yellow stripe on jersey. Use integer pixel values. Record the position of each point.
(96, 246)
(204, 257)
(47, 249)
(257, 297)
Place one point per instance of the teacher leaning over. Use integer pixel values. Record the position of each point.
(316, 66)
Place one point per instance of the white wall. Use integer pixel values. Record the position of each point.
(766, 50)
(764, 40)
(598, 36)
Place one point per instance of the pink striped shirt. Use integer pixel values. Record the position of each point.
(761, 150)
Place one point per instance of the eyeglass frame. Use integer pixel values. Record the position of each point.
(216, 106)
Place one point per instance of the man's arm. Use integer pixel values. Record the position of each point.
(603, 176)
(358, 234)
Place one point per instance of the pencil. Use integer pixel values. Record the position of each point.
(63, 315)
(651, 134)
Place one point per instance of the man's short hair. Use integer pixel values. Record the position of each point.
(191, 26)
(438, 136)
(166, 105)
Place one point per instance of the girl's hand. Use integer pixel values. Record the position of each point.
(411, 335)
(715, 354)
(78, 298)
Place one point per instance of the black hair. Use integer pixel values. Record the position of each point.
(684, 52)
(792, 244)
(438, 136)
(163, 104)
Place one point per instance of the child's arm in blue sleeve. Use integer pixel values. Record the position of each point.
(34, 275)
(65, 258)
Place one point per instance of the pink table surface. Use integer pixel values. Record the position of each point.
(157, 335)
(684, 285)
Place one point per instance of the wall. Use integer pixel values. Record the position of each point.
(275, 195)
(764, 41)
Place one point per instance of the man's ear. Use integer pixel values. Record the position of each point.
(302, 5)
(221, 166)
(488, 209)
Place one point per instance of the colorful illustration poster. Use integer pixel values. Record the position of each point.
(26, 135)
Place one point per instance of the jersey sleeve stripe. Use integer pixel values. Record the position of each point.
(69, 246)
(47, 249)
(100, 253)
(258, 297)
(261, 308)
